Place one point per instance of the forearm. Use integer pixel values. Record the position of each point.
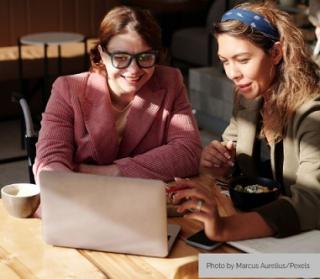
(244, 226)
(56, 166)
(111, 170)
(164, 162)
(55, 147)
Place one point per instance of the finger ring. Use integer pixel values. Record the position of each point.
(199, 205)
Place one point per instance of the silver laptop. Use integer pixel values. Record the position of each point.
(114, 214)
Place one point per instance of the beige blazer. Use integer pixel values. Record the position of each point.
(299, 208)
(314, 12)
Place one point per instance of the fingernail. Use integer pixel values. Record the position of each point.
(216, 165)
(230, 163)
(227, 155)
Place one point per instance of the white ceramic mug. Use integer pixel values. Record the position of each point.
(21, 199)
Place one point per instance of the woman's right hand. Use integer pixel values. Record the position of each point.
(218, 158)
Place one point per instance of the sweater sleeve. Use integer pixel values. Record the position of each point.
(55, 145)
(180, 155)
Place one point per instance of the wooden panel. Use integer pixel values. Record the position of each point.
(44, 15)
(68, 14)
(4, 21)
(19, 20)
(21, 17)
(83, 17)
(100, 9)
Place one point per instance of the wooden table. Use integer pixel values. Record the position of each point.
(24, 254)
(169, 6)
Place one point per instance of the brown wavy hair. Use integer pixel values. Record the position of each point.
(297, 76)
(123, 19)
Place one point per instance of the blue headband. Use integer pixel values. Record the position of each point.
(256, 21)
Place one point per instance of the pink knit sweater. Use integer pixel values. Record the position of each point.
(160, 140)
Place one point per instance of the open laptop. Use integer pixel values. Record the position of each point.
(114, 214)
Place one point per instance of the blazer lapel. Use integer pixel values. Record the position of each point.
(98, 118)
(143, 111)
(247, 119)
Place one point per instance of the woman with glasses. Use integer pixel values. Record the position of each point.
(127, 116)
(274, 131)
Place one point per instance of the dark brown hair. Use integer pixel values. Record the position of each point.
(120, 20)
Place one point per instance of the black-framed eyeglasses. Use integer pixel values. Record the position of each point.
(121, 60)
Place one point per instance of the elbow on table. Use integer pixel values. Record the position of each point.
(57, 166)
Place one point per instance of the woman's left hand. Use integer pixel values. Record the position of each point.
(199, 204)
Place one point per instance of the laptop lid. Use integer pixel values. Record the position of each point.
(115, 214)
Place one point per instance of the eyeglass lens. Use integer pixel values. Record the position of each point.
(123, 60)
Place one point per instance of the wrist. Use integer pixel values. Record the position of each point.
(114, 169)
(242, 226)
(222, 173)
(222, 233)
(76, 167)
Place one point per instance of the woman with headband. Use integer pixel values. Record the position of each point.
(277, 110)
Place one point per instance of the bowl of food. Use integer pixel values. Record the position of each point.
(250, 192)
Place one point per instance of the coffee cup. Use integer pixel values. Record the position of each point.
(21, 199)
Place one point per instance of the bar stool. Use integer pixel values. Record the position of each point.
(48, 39)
